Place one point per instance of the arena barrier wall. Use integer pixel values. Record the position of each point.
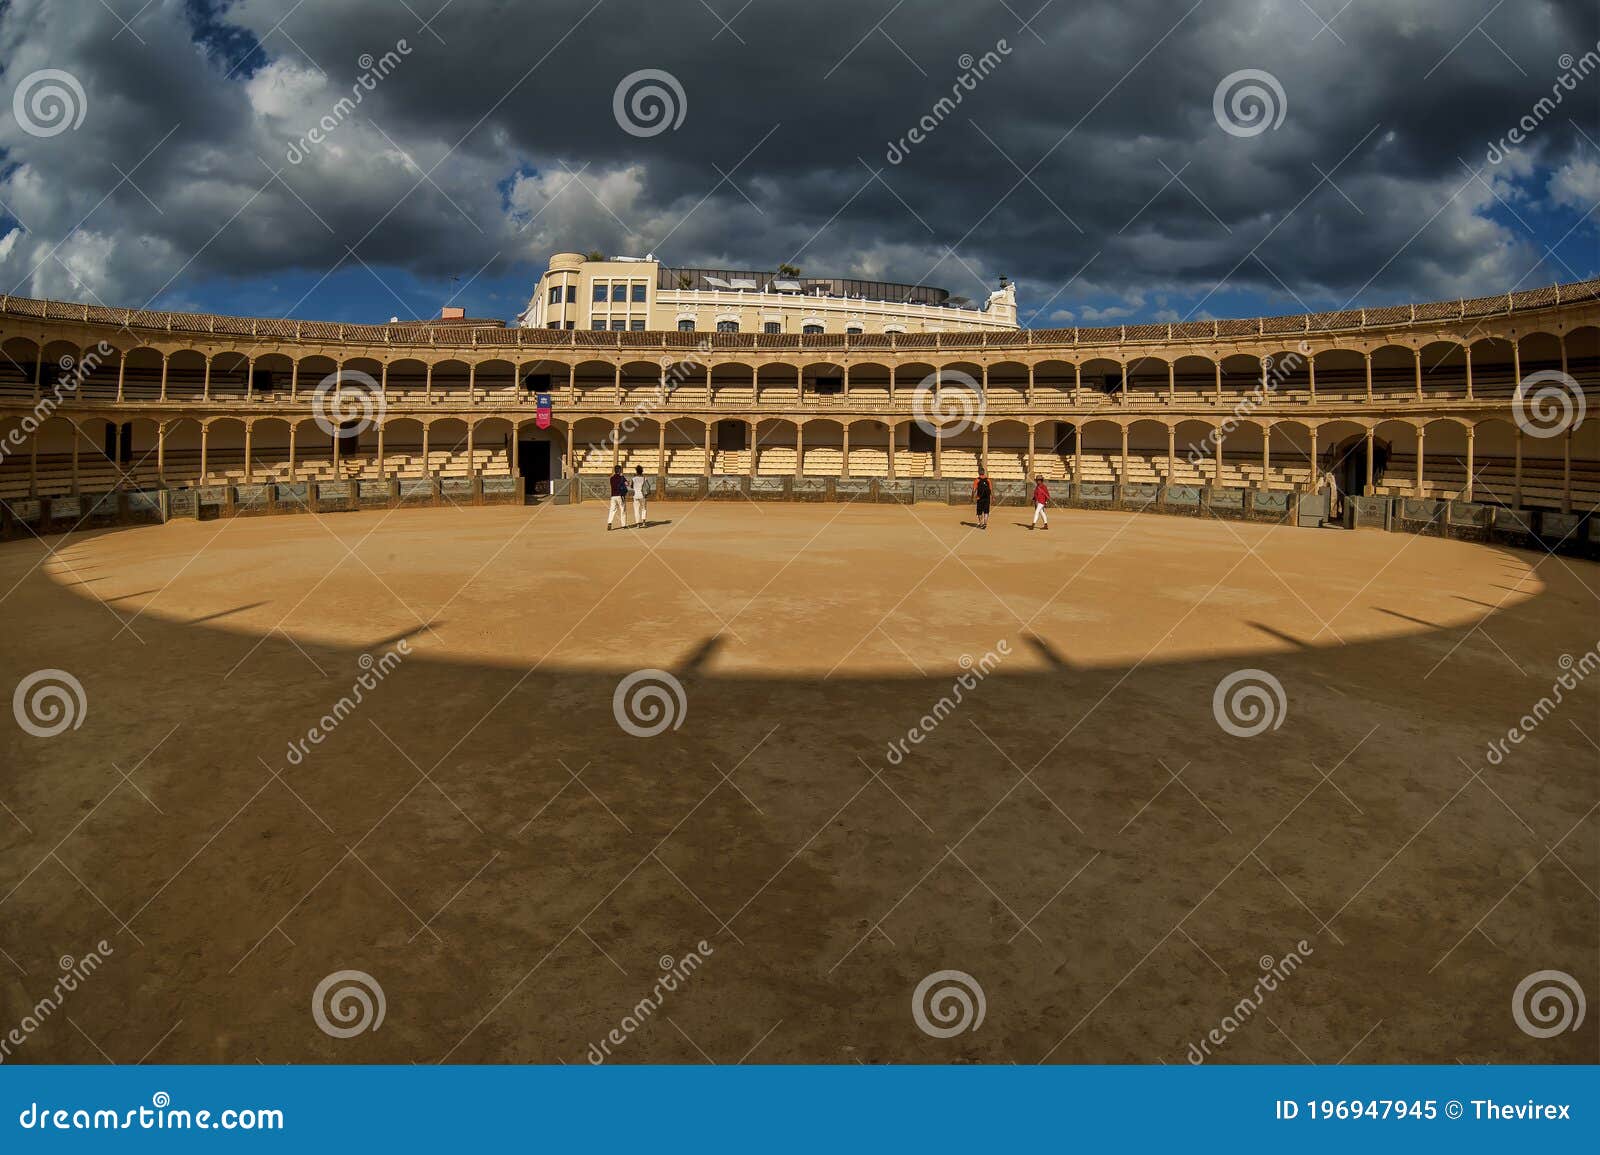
(1571, 533)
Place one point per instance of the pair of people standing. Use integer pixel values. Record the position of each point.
(983, 495)
(638, 486)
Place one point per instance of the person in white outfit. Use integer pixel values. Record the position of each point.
(639, 487)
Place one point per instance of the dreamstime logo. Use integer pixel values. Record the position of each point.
(75, 971)
(973, 69)
(948, 1003)
(1547, 403)
(1573, 69)
(649, 102)
(49, 102)
(373, 69)
(347, 395)
(49, 702)
(1249, 102)
(1249, 702)
(1274, 972)
(353, 999)
(675, 973)
(1546, 1003)
(941, 411)
(649, 702)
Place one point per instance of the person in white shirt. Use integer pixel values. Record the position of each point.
(639, 487)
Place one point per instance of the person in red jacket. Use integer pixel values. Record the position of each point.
(1041, 498)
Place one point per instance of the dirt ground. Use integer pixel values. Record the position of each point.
(1079, 834)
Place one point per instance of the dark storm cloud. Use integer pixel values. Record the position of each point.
(1091, 144)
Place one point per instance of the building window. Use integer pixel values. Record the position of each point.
(571, 324)
(686, 326)
(599, 292)
(598, 323)
(572, 294)
(637, 326)
(553, 325)
(555, 294)
(811, 329)
(618, 325)
(772, 327)
(727, 326)
(856, 329)
(619, 292)
(639, 291)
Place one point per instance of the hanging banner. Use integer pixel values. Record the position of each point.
(542, 418)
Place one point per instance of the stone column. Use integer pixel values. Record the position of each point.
(294, 379)
(799, 448)
(755, 384)
(1216, 458)
(1266, 454)
(1422, 434)
(1077, 387)
(515, 454)
(1123, 478)
(846, 384)
(1316, 456)
(337, 454)
(381, 474)
(844, 461)
(1217, 365)
(383, 382)
(163, 376)
(472, 386)
(891, 425)
(472, 465)
(572, 382)
(570, 468)
(1030, 385)
(1032, 466)
(205, 433)
(427, 462)
(1516, 476)
(711, 397)
(161, 451)
(427, 385)
(751, 441)
(1313, 368)
(938, 451)
(1172, 382)
(983, 447)
(1471, 437)
(1469, 370)
(708, 446)
(249, 430)
(1566, 472)
(122, 365)
(1416, 361)
(1516, 357)
(661, 447)
(38, 376)
(1371, 437)
(250, 379)
(1368, 357)
(892, 369)
(617, 385)
(1077, 453)
(1172, 452)
(205, 387)
(295, 425)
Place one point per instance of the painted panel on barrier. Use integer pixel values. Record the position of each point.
(1270, 501)
(852, 488)
(1471, 513)
(182, 503)
(810, 489)
(1096, 491)
(1555, 526)
(1225, 497)
(294, 492)
(499, 486)
(1420, 509)
(1139, 493)
(416, 489)
(65, 508)
(144, 501)
(1183, 495)
(725, 485)
(1010, 492)
(212, 494)
(897, 491)
(252, 496)
(456, 488)
(683, 488)
(931, 489)
(1368, 512)
(595, 487)
(769, 488)
(372, 489)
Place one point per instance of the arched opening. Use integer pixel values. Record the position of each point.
(1341, 376)
(451, 378)
(1099, 454)
(1008, 449)
(1288, 374)
(1146, 378)
(1583, 363)
(823, 453)
(1394, 373)
(1102, 381)
(1494, 367)
(19, 364)
(495, 379)
(541, 455)
(733, 386)
(222, 451)
(1052, 382)
(869, 384)
(1147, 451)
(408, 382)
(402, 449)
(1008, 387)
(592, 441)
(869, 450)
(1195, 449)
(775, 447)
(778, 382)
(230, 377)
(1444, 371)
(1397, 476)
(492, 445)
(685, 447)
(1194, 378)
(269, 450)
(1241, 376)
(1342, 453)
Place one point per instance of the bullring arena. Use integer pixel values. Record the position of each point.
(1242, 711)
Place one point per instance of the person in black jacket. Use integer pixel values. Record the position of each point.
(981, 493)
(619, 488)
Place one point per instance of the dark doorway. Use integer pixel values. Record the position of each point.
(533, 462)
(1348, 464)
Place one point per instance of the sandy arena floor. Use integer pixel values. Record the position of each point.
(1079, 835)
